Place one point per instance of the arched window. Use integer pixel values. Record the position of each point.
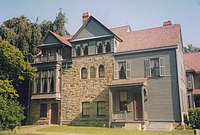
(101, 71)
(92, 72)
(100, 48)
(86, 50)
(78, 51)
(108, 47)
(83, 73)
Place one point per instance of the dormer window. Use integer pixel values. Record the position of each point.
(78, 51)
(108, 47)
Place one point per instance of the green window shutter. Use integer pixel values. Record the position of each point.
(128, 69)
(147, 67)
(162, 66)
(116, 72)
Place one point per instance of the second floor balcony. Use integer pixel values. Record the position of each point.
(48, 58)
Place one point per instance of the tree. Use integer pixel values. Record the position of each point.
(11, 112)
(25, 35)
(12, 65)
(191, 48)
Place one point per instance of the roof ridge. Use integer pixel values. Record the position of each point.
(120, 27)
(158, 27)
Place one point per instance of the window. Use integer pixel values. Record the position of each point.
(86, 50)
(100, 48)
(44, 81)
(43, 110)
(83, 73)
(108, 49)
(123, 104)
(101, 108)
(78, 51)
(92, 72)
(86, 109)
(189, 82)
(101, 71)
(38, 85)
(154, 67)
(51, 80)
(122, 70)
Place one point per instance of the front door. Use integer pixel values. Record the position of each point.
(138, 106)
(54, 113)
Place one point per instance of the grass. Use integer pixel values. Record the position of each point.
(111, 131)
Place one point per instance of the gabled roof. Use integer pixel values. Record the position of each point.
(119, 31)
(99, 23)
(61, 39)
(165, 36)
(192, 61)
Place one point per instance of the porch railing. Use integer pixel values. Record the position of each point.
(49, 58)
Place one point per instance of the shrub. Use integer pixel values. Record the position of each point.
(11, 112)
(194, 116)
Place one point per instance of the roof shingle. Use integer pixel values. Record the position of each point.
(148, 38)
(192, 61)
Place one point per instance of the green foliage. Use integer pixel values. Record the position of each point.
(191, 48)
(25, 35)
(11, 112)
(194, 116)
(12, 64)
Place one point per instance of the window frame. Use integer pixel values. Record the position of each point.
(99, 43)
(92, 72)
(86, 113)
(43, 110)
(148, 67)
(101, 75)
(86, 73)
(107, 43)
(101, 108)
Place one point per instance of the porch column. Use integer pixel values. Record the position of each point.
(110, 107)
(143, 109)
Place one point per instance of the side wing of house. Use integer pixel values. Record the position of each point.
(161, 101)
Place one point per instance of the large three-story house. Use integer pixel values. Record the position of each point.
(111, 77)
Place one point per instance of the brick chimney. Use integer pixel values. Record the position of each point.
(85, 16)
(167, 23)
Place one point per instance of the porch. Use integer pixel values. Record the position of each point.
(126, 100)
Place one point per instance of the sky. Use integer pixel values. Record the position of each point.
(139, 14)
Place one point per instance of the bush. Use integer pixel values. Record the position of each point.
(11, 112)
(194, 116)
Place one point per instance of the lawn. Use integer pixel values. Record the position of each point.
(111, 131)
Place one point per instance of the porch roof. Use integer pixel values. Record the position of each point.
(128, 82)
(196, 91)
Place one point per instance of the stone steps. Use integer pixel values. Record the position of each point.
(160, 126)
(132, 126)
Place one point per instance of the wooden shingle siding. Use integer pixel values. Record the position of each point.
(162, 102)
(50, 39)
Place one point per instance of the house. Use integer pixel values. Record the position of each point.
(192, 67)
(111, 77)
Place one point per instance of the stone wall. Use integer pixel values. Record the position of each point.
(35, 111)
(76, 90)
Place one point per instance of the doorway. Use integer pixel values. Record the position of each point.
(54, 113)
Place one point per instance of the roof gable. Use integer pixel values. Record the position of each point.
(92, 28)
(52, 38)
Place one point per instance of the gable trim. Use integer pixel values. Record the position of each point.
(86, 22)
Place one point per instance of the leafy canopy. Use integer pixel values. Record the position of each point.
(25, 35)
(12, 64)
(191, 48)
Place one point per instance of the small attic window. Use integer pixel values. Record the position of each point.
(100, 48)
(108, 49)
(78, 51)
